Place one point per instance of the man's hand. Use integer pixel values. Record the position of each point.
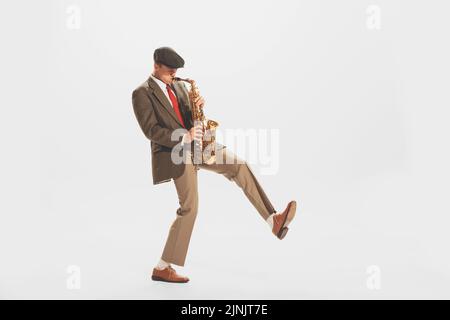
(199, 102)
(194, 134)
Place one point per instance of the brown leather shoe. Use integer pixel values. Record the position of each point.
(168, 275)
(282, 220)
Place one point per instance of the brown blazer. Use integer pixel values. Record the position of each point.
(158, 120)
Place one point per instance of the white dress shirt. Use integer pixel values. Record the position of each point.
(163, 87)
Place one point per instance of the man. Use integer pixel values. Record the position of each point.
(161, 106)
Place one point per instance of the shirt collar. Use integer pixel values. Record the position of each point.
(161, 84)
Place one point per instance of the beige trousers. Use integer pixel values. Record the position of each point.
(234, 169)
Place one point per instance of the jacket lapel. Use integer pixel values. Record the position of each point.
(157, 92)
(183, 98)
(181, 94)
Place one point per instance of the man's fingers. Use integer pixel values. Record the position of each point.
(199, 101)
(197, 133)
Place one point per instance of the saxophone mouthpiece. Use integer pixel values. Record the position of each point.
(181, 79)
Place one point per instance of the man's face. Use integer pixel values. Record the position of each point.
(164, 73)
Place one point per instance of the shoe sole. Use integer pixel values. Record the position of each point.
(289, 217)
(282, 233)
(155, 278)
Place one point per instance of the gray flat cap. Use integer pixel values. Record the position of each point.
(168, 57)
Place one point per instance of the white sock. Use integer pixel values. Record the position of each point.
(269, 220)
(162, 264)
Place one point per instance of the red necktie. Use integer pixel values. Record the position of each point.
(175, 104)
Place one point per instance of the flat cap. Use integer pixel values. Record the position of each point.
(168, 57)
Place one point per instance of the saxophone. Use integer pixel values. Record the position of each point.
(204, 151)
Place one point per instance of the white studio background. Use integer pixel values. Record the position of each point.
(358, 91)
